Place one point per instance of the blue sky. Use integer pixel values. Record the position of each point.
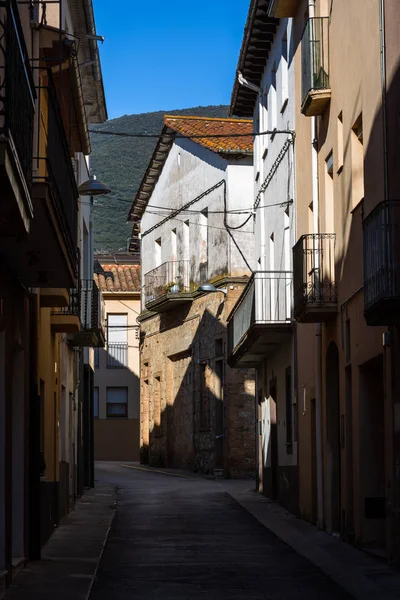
(165, 55)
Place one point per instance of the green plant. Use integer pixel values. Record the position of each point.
(171, 284)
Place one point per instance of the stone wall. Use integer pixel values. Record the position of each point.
(196, 412)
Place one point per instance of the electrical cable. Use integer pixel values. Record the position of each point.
(192, 137)
(199, 225)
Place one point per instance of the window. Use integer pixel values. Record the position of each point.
(96, 358)
(219, 347)
(96, 402)
(329, 165)
(289, 411)
(204, 399)
(157, 406)
(340, 156)
(273, 99)
(117, 341)
(264, 138)
(203, 266)
(329, 203)
(117, 402)
(285, 75)
(357, 159)
(347, 341)
(173, 245)
(157, 252)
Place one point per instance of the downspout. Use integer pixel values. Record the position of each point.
(318, 326)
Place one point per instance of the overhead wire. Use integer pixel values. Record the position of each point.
(192, 137)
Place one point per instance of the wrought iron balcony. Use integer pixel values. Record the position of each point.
(381, 230)
(167, 285)
(54, 178)
(92, 316)
(17, 113)
(67, 319)
(261, 319)
(86, 309)
(316, 91)
(315, 289)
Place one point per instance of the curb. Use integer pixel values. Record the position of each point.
(356, 579)
(92, 582)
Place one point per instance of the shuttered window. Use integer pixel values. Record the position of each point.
(117, 341)
(96, 403)
(117, 402)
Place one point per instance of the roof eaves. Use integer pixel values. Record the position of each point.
(258, 35)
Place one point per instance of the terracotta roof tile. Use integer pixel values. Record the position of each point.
(119, 278)
(188, 126)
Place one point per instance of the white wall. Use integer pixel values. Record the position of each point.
(270, 219)
(273, 246)
(189, 171)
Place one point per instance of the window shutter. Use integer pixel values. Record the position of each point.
(117, 329)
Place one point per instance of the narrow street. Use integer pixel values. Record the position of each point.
(185, 537)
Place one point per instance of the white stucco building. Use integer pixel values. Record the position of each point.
(261, 326)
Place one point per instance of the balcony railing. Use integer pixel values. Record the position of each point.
(92, 308)
(381, 231)
(315, 289)
(54, 165)
(169, 279)
(266, 302)
(17, 90)
(117, 355)
(74, 304)
(315, 66)
(85, 302)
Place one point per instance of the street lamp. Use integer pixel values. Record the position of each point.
(210, 288)
(93, 187)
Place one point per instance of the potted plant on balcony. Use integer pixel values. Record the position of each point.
(172, 287)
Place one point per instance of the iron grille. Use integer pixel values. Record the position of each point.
(315, 55)
(381, 230)
(314, 271)
(17, 91)
(169, 278)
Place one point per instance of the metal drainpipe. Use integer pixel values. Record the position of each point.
(318, 326)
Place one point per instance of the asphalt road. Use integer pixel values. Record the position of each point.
(185, 538)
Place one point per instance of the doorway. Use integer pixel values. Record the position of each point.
(219, 414)
(2, 453)
(18, 453)
(273, 393)
(372, 455)
(332, 465)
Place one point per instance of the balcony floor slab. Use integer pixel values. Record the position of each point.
(169, 301)
(315, 103)
(260, 341)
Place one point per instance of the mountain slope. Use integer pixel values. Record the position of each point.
(121, 163)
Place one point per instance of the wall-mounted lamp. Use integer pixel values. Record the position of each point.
(210, 288)
(93, 187)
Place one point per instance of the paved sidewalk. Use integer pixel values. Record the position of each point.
(71, 556)
(362, 576)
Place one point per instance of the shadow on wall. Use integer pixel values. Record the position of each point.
(201, 412)
(117, 436)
